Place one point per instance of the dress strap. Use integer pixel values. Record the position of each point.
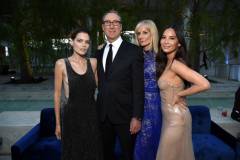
(67, 63)
(68, 67)
(89, 68)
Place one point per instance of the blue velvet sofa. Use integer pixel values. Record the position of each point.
(206, 144)
(40, 142)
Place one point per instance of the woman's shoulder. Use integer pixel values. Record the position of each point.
(178, 63)
(60, 63)
(93, 61)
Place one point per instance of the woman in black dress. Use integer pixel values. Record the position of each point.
(76, 122)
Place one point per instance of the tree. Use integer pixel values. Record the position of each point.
(18, 34)
(213, 26)
(40, 21)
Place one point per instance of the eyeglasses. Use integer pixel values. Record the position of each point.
(114, 23)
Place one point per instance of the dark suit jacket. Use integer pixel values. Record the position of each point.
(121, 93)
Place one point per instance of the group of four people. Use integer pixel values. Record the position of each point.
(141, 95)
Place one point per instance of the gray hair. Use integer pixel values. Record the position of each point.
(114, 12)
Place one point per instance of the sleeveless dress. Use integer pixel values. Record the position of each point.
(176, 133)
(148, 137)
(80, 129)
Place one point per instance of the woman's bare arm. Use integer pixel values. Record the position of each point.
(94, 68)
(58, 78)
(199, 83)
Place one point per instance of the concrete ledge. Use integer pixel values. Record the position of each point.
(216, 115)
(13, 125)
(226, 122)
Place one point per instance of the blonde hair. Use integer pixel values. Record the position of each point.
(149, 24)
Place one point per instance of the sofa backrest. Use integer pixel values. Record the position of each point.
(201, 120)
(47, 122)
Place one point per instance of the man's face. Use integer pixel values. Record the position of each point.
(112, 26)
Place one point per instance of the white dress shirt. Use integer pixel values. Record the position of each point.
(115, 46)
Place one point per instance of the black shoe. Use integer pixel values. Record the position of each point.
(235, 115)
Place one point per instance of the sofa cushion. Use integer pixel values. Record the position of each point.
(209, 147)
(47, 148)
(201, 120)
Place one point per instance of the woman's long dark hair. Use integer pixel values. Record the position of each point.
(75, 31)
(181, 54)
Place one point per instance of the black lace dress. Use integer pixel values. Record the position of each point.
(80, 130)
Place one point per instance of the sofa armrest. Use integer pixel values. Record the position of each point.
(47, 122)
(23, 144)
(224, 136)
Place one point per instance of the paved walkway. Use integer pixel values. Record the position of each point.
(44, 90)
(37, 91)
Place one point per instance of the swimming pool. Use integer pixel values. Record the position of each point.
(37, 105)
(24, 105)
(212, 102)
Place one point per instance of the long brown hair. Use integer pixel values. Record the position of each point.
(181, 55)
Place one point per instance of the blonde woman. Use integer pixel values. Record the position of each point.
(148, 138)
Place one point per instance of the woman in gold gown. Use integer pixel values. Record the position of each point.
(173, 73)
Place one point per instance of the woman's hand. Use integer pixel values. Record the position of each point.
(58, 131)
(179, 100)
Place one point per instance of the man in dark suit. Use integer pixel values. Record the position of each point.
(120, 89)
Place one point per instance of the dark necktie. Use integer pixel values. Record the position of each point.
(109, 59)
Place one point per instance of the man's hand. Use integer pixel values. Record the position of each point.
(135, 125)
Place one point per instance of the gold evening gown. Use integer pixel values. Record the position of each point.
(176, 134)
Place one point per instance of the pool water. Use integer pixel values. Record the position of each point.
(37, 105)
(24, 105)
(212, 102)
